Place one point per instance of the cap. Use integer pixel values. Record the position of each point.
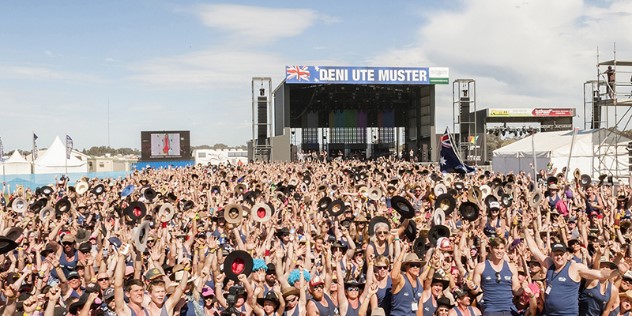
(153, 273)
(207, 291)
(129, 270)
(459, 292)
(108, 294)
(444, 244)
(558, 246)
(73, 275)
(68, 238)
(494, 205)
(115, 241)
(316, 281)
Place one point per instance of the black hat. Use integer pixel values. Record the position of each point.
(506, 200)
(336, 208)
(419, 247)
(402, 206)
(490, 198)
(469, 211)
(63, 205)
(187, 205)
(444, 301)
(46, 190)
(98, 189)
(38, 205)
(323, 203)
(77, 305)
(375, 220)
(85, 247)
(271, 297)
(338, 244)
(551, 180)
(216, 189)
(446, 202)
(250, 197)
(135, 211)
(7, 245)
(411, 231)
(436, 232)
(149, 194)
(236, 263)
(585, 180)
(271, 268)
(354, 283)
(14, 233)
(438, 277)
(559, 247)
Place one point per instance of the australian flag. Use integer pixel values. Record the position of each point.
(450, 161)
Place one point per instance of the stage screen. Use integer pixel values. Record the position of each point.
(165, 145)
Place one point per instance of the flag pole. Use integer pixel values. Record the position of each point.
(66, 156)
(535, 166)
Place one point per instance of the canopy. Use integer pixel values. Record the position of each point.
(54, 160)
(16, 164)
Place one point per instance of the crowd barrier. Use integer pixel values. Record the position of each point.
(34, 181)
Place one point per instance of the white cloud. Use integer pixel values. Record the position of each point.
(258, 24)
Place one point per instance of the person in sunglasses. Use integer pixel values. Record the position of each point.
(498, 280)
(407, 286)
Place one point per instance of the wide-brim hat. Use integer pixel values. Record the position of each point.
(436, 232)
(187, 205)
(291, 291)
(128, 190)
(19, 205)
(506, 200)
(469, 211)
(446, 202)
(82, 235)
(271, 297)
(355, 283)
(411, 231)
(437, 277)
(374, 193)
(81, 187)
(240, 188)
(577, 174)
(323, 203)
(216, 189)
(236, 263)
(474, 194)
(14, 233)
(46, 190)
(585, 180)
(411, 258)
(135, 211)
(7, 245)
(261, 212)
(375, 220)
(440, 189)
(45, 213)
(140, 236)
(167, 212)
(98, 189)
(63, 205)
(535, 199)
(233, 213)
(149, 194)
(402, 206)
(551, 180)
(38, 205)
(419, 247)
(489, 199)
(485, 190)
(336, 208)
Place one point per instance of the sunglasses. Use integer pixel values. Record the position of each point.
(415, 265)
(381, 268)
(67, 243)
(103, 279)
(293, 300)
(353, 288)
(381, 233)
(318, 287)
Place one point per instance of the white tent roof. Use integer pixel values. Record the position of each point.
(16, 158)
(55, 156)
(544, 144)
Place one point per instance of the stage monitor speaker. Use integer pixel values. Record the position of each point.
(596, 112)
(464, 119)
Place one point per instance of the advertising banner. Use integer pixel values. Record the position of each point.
(531, 112)
(367, 75)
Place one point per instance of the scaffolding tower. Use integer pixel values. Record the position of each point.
(608, 106)
(464, 120)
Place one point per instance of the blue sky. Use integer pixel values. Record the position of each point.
(166, 65)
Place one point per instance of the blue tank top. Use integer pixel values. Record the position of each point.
(497, 292)
(384, 253)
(577, 259)
(429, 306)
(133, 313)
(402, 303)
(66, 265)
(563, 290)
(553, 202)
(589, 205)
(353, 311)
(328, 310)
(384, 296)
(295, 313)
(615, 312)
(489, 230)
(592, 302)
(469, 309)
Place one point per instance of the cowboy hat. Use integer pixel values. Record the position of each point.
(375, 220)
(46, 190)
(411, 231)
(135, 211)
(19, 205)
(98, 189)
(128, 190)
(438, 217)
(419, 247)
(45, 213)
(436, 232)
(233, 213)
(446, 202)
(585, 180)
(63, 205)
(236, 263)
(485, 190)
(440, 189)
(374, 193)
(475, 195)
(535, 199)
(149, 194)
(261, 212)
(336, 208)
(402, 206)
(140, 236)
(168, 211)
(469, 211)
(270, 297)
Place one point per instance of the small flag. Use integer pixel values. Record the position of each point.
(1, 150)
(472, 139)
(34, 153)
(68, 146)
(450, 161)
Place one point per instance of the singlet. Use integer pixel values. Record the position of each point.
(385, 253)
(328, 310)
(66, 265)
(353, 311)
(589, 205)
(469, 309)
(497, 288)
(429, 305)
(562, 290)
(490, 230)
(615, 312)
(592, 302)
(577, 259)
(295, 313)
(144, 310)
(384, 296)
(553, 202)
(402, 302)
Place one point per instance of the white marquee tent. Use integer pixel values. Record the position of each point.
(16, 164)
(54, 161)
(594, 152)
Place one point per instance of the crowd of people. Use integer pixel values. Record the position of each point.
(383, 237)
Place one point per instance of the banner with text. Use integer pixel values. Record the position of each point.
(367, 75)
(531, 112)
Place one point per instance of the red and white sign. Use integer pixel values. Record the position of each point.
(531, 112)
(537, 112)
